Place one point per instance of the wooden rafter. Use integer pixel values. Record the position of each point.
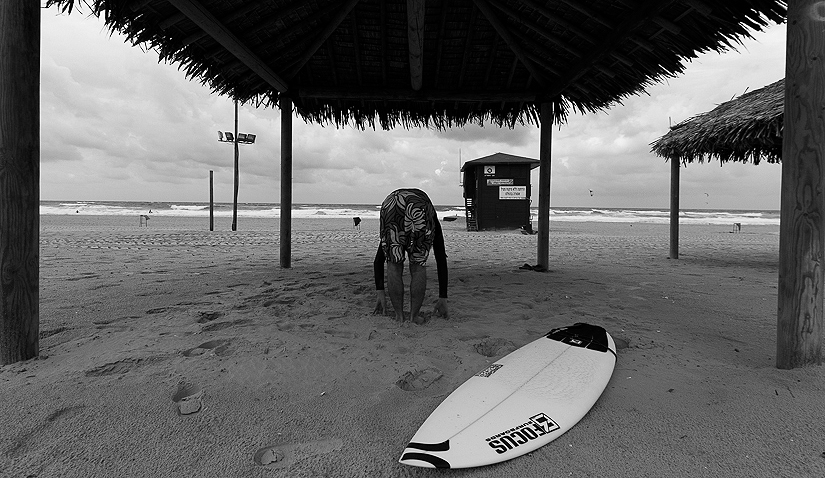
(502, 30)
(441, 41)
(536, 27)
(383, 44)
(467, 42)
(377, 94)
(284, 33)
(553, 18)
(322, 37)
(357, 50)
(415, 39)
(621, 32)
(208, 23)
(225, 19)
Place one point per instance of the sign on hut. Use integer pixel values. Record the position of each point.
(497, 191)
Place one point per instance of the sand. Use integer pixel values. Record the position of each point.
(175, 351)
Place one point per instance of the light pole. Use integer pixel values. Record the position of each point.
(236, 138)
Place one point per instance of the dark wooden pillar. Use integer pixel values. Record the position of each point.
(543, 247)
(801, 238)
(19, 180)
(286, 181)
(237, 175)
(675, 166)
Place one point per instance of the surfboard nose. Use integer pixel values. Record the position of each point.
(423, 460)
(416, 454)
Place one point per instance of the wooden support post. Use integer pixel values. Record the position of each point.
(211, 200)
(543, 248)
(286, 181)
(19, 180)
(675, 167)
(237, 174)
(801, 239)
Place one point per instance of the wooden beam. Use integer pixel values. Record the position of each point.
(19, 181)
(511, 42)
(286, 182)
(380, 94)
(802, 210)
(675, 170)
(218, 31)
(236, 175)
(545, 143)
(415, 40)
(321, 37)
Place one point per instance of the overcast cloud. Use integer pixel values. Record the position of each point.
(118, 125)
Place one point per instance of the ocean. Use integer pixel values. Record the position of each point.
(270, 210)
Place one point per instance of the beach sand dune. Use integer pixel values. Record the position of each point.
(175, 351)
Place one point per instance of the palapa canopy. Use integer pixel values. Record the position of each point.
(432, 63)
(746, 129)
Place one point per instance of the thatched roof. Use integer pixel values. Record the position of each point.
(435, 63)
(747, 129)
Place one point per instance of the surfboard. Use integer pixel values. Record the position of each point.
(519, 403)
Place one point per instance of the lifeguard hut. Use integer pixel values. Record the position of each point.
(497, 191)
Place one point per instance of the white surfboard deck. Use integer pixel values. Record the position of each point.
(519, 403)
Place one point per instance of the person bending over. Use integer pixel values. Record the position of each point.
(409, 227)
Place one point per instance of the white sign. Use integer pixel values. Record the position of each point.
(512, 192)
(499, 182)
(489, 170)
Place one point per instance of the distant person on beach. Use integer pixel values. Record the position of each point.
(409, 227)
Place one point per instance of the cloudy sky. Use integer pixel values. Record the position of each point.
(118, 125)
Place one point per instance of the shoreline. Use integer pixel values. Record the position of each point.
(173, 351)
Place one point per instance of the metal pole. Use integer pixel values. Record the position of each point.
(211, 200)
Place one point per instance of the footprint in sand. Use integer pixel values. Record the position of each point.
(204, 317)
(282, 455)
(268, 455)
(621, 343)
(418, 379)
(188, 398)
(491, 347)
(218, 347)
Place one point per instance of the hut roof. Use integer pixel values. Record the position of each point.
(502, 158)
(747, 129)
(435, 63)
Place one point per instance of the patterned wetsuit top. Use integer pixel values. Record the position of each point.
(407, 226)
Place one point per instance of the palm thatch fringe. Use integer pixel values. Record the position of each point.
(581, 56)
(746, 129)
